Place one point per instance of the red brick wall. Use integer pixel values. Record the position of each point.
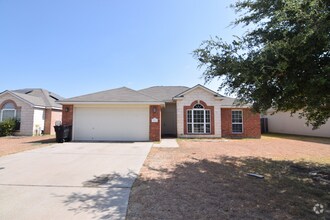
(48, 119)
(51, 116)
(251, 124)
(67, 114)
(56, 116)
(155, 127)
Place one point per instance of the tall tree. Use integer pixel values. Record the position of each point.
(282, 63)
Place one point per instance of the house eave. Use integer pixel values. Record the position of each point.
(56, 108)
(235, 106)
(109, 103)
(182, 97)
(53, 108)
(38, 106)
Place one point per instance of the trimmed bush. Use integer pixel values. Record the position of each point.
(7, 127)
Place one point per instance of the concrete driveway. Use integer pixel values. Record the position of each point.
(70, 181)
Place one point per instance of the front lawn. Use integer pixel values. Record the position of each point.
(206, 179)
(15, 144)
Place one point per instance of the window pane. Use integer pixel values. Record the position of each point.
(9, 106)
(198, 121)
(6, 114)
(189, 128)
(208, 130)
(198, 106)
(189, 119)
(198, 128)
(237, 128)
(236, 116)
(198, 116)
(207, 116)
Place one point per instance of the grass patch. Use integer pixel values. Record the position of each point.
(297, 137)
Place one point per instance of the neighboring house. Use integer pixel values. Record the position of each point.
(36, 109)
(283, 122)
(125, 114)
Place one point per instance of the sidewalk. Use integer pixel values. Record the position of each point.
(167, 143)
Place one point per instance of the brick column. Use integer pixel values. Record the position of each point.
(48, 121)
(155, 122)
(67, 114)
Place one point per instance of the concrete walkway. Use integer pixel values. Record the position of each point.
(70, 181)
(167, 143)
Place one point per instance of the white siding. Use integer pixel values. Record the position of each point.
(282, 122)
(26, 114)
(210, 100)
(38, 121)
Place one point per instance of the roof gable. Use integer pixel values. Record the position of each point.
(39, 97)
(122, 94)
(225, 101)
(181, 95)
(7, 92)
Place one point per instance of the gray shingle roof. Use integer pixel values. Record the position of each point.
(122, 94)
(164, 93)
(31, 99)
(39, 97)
(227, 101)
(151, 94)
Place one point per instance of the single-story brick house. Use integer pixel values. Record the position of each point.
(36, 109)
(124, 114)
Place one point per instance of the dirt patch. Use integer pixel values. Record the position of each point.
(208, 180)
(14, 144)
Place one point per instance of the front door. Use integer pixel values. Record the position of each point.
(169, 120)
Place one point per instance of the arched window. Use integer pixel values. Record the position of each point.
(198, 120)
(198, 106)
(8, 111)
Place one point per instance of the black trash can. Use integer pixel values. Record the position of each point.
(264, 125)
(67, 131)
(63, 133)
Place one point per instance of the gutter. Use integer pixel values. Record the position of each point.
(109, 103)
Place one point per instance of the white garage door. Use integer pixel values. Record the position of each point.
(115, 123)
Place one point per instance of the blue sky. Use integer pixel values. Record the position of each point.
(75, 47)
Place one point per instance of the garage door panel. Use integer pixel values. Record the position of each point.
(111, 124)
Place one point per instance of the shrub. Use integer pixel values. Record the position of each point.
(7, 127)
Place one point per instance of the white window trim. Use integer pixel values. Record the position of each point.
(2, 110)
(237, 123)
(204, 123)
